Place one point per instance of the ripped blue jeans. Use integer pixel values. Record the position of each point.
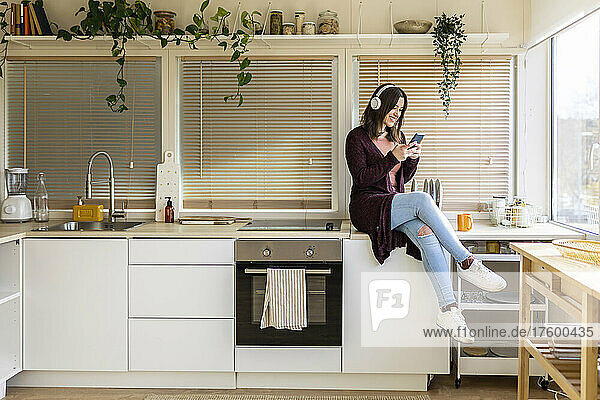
(412, 210)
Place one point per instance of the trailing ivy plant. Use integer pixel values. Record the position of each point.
(448, 37)
(125, 20)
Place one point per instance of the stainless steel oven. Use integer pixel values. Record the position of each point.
(322, 260)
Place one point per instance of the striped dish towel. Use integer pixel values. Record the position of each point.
(285, 299)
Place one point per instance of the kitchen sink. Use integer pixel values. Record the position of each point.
(91, 226)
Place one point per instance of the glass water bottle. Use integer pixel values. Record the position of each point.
(40, 200)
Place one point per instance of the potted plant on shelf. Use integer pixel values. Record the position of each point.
(448, 37)
(125, 20)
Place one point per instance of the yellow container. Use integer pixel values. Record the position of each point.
(88, 212)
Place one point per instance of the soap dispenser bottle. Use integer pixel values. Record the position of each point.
(169, 211)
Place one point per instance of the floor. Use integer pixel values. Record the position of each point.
(442, 387)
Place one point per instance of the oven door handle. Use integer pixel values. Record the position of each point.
(263, 271)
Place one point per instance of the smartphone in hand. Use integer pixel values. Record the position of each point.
(417, 138)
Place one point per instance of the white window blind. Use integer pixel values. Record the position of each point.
(61, 103)
(470, 151)
(273, 152)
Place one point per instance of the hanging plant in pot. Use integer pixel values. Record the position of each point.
(448, 37)
(126, 20)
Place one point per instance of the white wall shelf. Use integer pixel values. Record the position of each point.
(474, 41)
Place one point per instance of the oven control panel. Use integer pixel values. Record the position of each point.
(288, 250)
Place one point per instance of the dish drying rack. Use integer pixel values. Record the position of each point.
(516, 214)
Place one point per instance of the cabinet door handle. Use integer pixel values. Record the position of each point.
(261, 292)
(259, 271)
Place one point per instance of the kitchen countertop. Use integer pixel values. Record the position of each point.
(482, 230)
(13, 231)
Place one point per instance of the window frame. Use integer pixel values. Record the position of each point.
(73, 51)
(338, 199)
(73, 60)
(553, 123)
(351, 107)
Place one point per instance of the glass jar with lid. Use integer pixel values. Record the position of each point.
(299, 16)
(308, 28)
(165, 22)
(289, 28)
(328, 23)
(276, 22)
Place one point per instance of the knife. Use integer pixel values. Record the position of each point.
(426, 185)
(432, 189)
(438, 193)
(413, 185)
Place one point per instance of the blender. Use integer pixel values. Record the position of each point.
(16, 207)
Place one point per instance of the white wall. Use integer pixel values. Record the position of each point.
(503, 15)
(548, 16)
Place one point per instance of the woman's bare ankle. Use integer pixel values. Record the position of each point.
(447, 307)
(465, 264)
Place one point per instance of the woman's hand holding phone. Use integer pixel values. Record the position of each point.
(401, 151)
(415, 149)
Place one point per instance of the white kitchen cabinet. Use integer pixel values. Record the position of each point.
(181, 345)
(75, 304)
(387, 336)
(181, 291)
(181, 251)
(10, 312)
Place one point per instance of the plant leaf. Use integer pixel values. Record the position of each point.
(204, 5)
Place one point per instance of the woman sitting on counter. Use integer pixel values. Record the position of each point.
(380, 162)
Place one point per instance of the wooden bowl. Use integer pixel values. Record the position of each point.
(413, 26)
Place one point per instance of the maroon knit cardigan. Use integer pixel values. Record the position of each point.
(372, 193)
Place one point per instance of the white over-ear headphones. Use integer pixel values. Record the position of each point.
(376, 101)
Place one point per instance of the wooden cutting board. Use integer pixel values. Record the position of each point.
(167, 185)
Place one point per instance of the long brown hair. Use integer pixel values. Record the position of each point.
(372, 120)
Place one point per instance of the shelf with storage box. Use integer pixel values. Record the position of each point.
(504, 307)
(475, 41)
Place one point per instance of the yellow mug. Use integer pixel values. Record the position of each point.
(464, 222)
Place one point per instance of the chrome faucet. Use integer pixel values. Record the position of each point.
(112, 213)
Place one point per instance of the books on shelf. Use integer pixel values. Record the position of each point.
(29, 20)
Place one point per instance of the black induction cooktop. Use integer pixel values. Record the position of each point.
(293, 225)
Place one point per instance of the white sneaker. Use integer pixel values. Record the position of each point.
(482, 277)
(454, 322)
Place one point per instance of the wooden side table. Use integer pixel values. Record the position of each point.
(575, 288)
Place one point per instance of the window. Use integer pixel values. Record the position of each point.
(61, 104)
(575, 139)
(470, 151)
(276, 151)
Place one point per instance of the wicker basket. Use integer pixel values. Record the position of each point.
(581, 250)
